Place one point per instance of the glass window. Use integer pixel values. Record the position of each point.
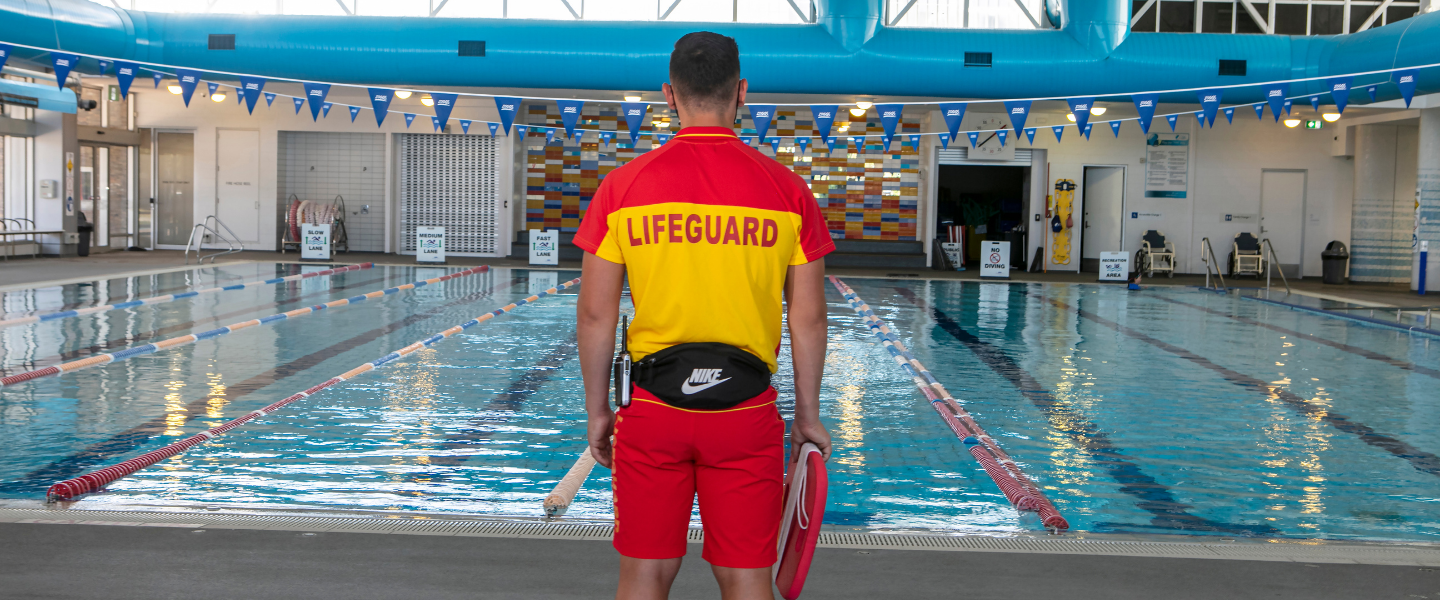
(1244, 23)
(1217, 17)
(1326, 19)
(1399, 13)
(1177, 16)
(1290, 19)
(1147, 20)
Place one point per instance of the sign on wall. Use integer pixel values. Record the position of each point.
(430, 244)
(314, 241)
(1115, 266)
(545, 247)
(995, 260)
(1167, 165)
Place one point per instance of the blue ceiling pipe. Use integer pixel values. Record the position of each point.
(848, 53)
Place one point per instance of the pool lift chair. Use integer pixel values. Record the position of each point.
(1156, 254)
(1246, 257)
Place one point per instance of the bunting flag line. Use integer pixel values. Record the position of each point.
(444, 103)
(354, 112)
(435, 123)
(1086, 130)
(945, 141)
(974, 137)
(465, 126)
(1407, 80)
(1030, 134)
(664, 137)
(915, 139)
(380, 102)
(954, 113)
(210, 87)
(1372, 90)
(859, 143)
(494, 128)
(1287, 107)
(1315, 103)
(1018, 110)
(549, 135)
(5, 54)
(104, 66)
(299, 104)
(1209, 105)
(124, 72)
(570, 114)
(885, 144)
(831, 142)
(1260, 111)
(521, 130)
(1115, 127)
(824, 118)
(188, 80)
(1339, 91)
(1275, 96)
(634, 116)
(1002, 135)
(1080, 108)
(409, 118)
(316, 93)
(775, 146)
(63, 63)
(746, 139)
(1059, 130)
(889, 118)
(605, 137)
(269, 99)
(508, 108)
(157, 77)
(1200, 118)
(1230, 115)
(251, 88)
(761, 114)
(803, 143)
(1171, 120)
(240, 96)
(325, 109)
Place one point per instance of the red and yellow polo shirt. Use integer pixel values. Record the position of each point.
(706, 227)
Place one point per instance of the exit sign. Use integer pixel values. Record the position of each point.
(1314, 124)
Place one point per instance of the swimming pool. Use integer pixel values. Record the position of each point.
(1169, 410)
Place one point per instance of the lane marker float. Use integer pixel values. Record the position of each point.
(110, 357)
(1018, 489)
(91, 482)
(171, 297)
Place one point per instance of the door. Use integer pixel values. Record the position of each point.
(175, 188)
(1282, 216)
(237, 182)
(1102, 216)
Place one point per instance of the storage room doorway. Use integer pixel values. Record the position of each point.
(988, 201)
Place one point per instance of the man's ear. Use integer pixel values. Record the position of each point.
(669, 96)
(740, 93)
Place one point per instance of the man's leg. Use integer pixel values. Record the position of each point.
(647, 578)
(743, 584)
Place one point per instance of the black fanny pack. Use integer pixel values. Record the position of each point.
(702, 375)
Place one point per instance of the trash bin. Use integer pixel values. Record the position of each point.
(86, 230)
(1334, 258)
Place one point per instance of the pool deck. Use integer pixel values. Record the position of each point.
(254, 557)
(22, 273)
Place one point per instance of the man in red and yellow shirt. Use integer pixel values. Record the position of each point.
(713, 235)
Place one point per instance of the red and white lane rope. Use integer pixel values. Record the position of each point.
(1018, 489)
(171, 297)
(91, 482)
(109, 357)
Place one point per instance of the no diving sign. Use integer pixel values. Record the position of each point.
(995, 263)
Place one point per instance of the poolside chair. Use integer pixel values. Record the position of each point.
(1245, 257)
(1156, 255)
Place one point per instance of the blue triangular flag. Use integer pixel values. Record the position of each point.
(1115, 127)
(831, 143)
(325, 109)
(803, 143)
(5, 55)
(1086, 130)
(251, 88)
(1406, 81)
(549, 135)
(762, 114)
(1260, 111)
(889, 118)
(435, 122)
(157, 77)
(494, 128)
(104, 66)
(824, 118)
(634, 113)
(746, 139)
(1230, 115)
(1315, 103)
(63, 63)
(316, 93)
(409, 118)
(1018, 110)
(1372, 91)
(210, 87)
(1209, 104)
(464, 126)
(1287, 107)
(299, 104)
(1200, 117)
(859, 143)
(508, 107)
(1059, 130)
(1340, 91)
(663, 137)
(1080, 108)
(775, 146)
(444, 103)
(945, 141)
(124, 72)
(1145, 104)
(522, 130)
(239, 95)
(974, 137)
(954, 113)
(1002, 133)
(269, 99)
(380, 99)
(1171, 120)
(188, 80)
(915, 139)
(1275, 95)
(1030, 135)
(354, 112)
(605, 137)
(570, 114)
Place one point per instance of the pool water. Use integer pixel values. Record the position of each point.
(1168, 410)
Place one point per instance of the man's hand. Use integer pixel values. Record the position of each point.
(805, 430)
(598, 429)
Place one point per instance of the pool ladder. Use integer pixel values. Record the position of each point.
(1270, 266)
(198, 242)
(1207, 256)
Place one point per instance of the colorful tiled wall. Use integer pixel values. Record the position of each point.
(870, 195)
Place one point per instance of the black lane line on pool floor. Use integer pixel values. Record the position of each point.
(1151, 496)
(129, 440)
(128, 339)
(1356, 350)
(1423, 461)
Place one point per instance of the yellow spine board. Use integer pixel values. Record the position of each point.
(1064, 205)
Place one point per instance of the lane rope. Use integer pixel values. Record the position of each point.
(563, 495)
(110, 357)
(64, 314)
(1018, 489)
(92, 482)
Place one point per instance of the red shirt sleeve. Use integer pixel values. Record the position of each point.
(813, 236)
(595, 234)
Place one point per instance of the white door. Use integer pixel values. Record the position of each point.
(1104, 209)
(1282, 217)
(237, 182)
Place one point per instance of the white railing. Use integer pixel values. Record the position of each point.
(1207, 256)
(1272, 261)
(197, 240)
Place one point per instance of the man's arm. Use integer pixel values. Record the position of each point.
(805, 314)
(595, 318)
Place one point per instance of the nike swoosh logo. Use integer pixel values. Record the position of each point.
(687, 389)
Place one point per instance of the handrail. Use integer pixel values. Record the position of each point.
(1207, 256)
(1265, 243)
(20, 230)
(231, 241)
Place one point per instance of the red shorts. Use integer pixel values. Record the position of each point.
(734, 458)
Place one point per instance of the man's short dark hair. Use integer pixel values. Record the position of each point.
(704, 69)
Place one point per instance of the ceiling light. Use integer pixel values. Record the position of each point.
(427, 101)
(1070, 116)
(174, 89)
(402, 94)
(845, 127)
(857, 111)
(1330, 117)
(217, 97)
(1097, 110)
(632, 98)
(863, 105)
(1292, 123)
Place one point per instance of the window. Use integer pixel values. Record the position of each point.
(1280, 17)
